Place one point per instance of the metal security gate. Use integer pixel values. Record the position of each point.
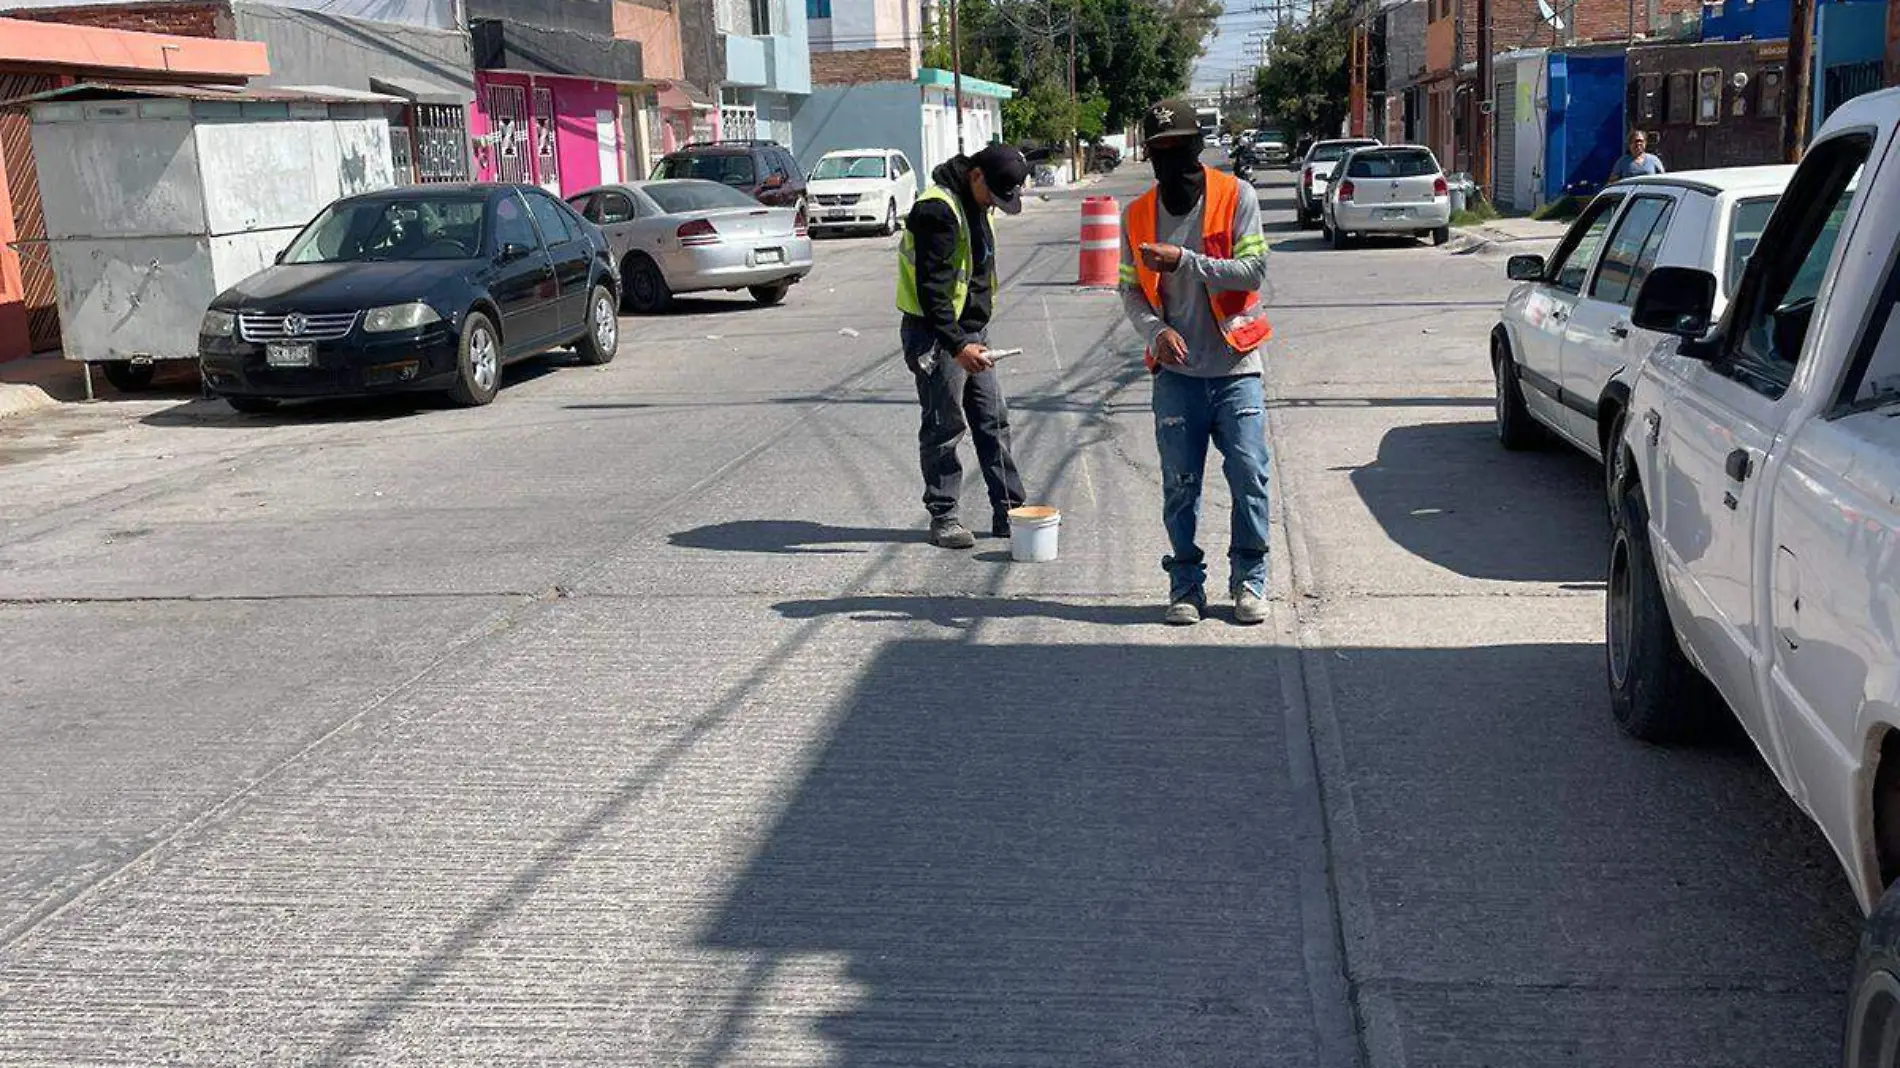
(547, 154)
(1844, 83)
(29, 217)
(1504, 141)
(508, 115)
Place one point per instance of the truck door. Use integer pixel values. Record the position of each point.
(1724, 419)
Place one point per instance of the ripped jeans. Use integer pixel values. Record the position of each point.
(1232, 413)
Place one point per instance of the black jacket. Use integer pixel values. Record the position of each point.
(933, 228)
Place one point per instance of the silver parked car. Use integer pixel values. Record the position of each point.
(1391, 189)
(691, 236)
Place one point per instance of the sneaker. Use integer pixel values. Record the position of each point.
(1250, 608)
(947, 533)
(999, 524)
(1185, 612)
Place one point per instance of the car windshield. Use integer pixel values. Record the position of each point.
(728, 168)
(677, 197)
(849, 167)
(1751, 217)
(446, 228)
(1332, 153)
(1396, 163)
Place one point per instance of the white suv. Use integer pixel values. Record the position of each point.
(860, 188)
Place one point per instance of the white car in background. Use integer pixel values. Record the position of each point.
(860, 188)
(1316, 170)
(1565, 353)
(1388, 189)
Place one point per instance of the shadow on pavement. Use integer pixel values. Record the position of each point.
(960, 613)
(1089, 856)
(1449, 493)
(214, 412)
(792, 536)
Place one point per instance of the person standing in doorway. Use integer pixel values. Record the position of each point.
(946, 288)
(1637, 161)
(1192, 265)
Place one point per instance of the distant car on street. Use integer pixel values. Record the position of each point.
(1388, 189)
(1316, 171)
(422, 288)
(685, 236)
(861, 187)
(762, 170)
(1565, 351)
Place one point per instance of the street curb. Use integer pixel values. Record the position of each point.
(21, 399)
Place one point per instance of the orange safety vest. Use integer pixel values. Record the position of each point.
(1243, 324)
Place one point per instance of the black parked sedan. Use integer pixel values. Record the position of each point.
(422, 288)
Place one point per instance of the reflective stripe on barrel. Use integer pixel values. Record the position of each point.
(1101, 241)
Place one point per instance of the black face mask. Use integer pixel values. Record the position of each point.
(1178, 172)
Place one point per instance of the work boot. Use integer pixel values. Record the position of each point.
(1186, 611)
(947, 533)
(1249, 607)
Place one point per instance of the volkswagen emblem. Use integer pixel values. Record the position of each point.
(295, 324)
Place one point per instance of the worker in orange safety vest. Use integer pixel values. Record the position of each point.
(1193, 261)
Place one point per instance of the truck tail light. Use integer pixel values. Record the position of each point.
(1306, 177)
(697, 232)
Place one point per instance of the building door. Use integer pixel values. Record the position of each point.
(508, 120)
(1505, 189)
(29, 219)
(547, 150)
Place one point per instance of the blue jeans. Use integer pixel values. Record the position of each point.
(1232, 413)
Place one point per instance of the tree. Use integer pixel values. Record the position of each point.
(1305, 83)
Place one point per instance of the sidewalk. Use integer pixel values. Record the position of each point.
(1507, 232)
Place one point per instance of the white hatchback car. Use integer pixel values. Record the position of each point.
(1389, 189)
(861, 188)
(1564, 353)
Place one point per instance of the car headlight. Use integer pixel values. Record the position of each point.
(218, 324)
(399, 317)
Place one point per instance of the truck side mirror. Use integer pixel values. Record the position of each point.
(1676, 300)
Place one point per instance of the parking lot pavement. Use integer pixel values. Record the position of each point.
(630, 720)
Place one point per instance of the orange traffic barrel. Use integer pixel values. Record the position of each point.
(1101, 241)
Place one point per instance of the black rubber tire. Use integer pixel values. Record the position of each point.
(252, 405)
(129, 377)
(469, 391)
(1656, 695)
(890, 220)
(771, 294)
(647, 291)
(1873, 998)
(1517, 431)
(589, 347)
(1339, 239)
(1441, 236)
(1615, 461)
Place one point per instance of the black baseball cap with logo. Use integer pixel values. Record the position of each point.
(1169, 118)
(1004, 171)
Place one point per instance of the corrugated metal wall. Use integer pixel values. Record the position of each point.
(29, 216)
(1504, 139)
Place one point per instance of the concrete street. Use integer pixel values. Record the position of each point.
(630, 721)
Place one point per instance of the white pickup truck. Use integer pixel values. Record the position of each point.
(1757, 533)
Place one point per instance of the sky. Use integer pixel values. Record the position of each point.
(1230, 50)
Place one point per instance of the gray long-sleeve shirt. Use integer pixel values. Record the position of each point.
(1184, 290)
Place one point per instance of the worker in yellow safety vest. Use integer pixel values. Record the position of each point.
(946, 288)
(1193, 261)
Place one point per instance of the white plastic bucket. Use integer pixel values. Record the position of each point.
(1032, 533)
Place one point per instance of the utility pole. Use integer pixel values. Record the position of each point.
(1487, 107)
(1075, 116)
(1794, 113)
(956, 74)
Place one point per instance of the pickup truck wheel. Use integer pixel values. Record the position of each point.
(1656, 695)
(1873, 1006)
(1517, 431)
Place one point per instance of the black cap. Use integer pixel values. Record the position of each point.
(1004, 171)
(1170, 118)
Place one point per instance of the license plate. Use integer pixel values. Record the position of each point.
(280, 355)
(838, 213)
(771, 255)
(1394, 213)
